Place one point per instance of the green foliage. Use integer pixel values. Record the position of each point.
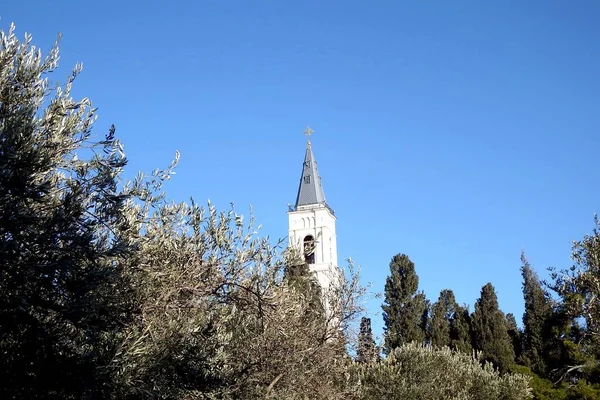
(544, 389)
(109, 291)
(404, 310)
(573, 344)
(557, 335)
(442, 314)
(367, 350)
(490, 332)
(580, 288)
(218, 318)
(461, 330)
(515, 334)
(535, 319)
(297, 274)
(414, 372)
(65, 232)
(583, 390)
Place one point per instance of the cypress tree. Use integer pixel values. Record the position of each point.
(515, 334)
(537, 313)
(367, 351)
(404, 310)
(490, 330)
(442, 313)
(419, 306)
(461, 330)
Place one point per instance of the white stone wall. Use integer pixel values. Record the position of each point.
(319, 222)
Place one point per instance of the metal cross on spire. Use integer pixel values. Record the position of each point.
(308, 132)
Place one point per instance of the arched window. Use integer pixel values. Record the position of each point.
(309, 249)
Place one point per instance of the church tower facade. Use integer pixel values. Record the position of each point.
(312, 223)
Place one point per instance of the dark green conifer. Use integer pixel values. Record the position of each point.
(515, 334)
(442, 314)
(537, 314)
(461, 331)
(404, 310)
(420, 305)
(490, 330)
(367, 351)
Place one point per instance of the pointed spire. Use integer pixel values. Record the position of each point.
(310, 191)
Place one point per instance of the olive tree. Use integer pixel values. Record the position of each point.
(414, 371)
(64, 233)
(219, 318)
(108, 290)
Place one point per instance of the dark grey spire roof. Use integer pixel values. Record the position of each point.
(310, 190)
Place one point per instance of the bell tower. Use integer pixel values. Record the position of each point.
(312, 223)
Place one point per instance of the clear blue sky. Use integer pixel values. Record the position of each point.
(456, 132)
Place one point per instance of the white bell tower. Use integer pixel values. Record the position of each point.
(312, 223)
